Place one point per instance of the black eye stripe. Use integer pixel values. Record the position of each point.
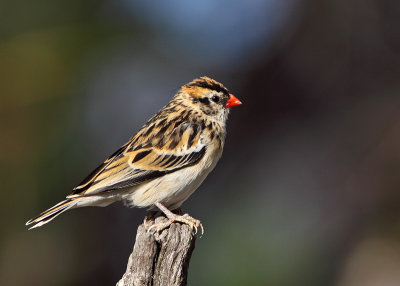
(204, 100)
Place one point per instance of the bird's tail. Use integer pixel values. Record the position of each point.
(52, 212)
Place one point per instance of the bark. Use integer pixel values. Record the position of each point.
(160, 258)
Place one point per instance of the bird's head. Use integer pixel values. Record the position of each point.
(209, 96)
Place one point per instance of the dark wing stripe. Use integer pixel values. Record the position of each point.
(148, 131)
(165, 127)
(194, 157)
(113, 166)
(87, 181)
(174, 143)
(189, 159)
(134, 181)
(139, 146)
(195, 131)
(178, 162)
(89, 178)
(161, 123)
(101, 178)
(168, 160)
(158, 160)
(141, 155)
(183, 128)
(178, 122)
(149, 161)
(173, 161)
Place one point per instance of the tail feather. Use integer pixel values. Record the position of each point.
(52, 212)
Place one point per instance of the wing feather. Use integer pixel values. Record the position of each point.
(144, 158)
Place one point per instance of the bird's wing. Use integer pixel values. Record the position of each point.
(146, 156)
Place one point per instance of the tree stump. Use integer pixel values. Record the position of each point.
(160, 258)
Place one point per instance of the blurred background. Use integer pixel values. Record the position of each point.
(307, 192)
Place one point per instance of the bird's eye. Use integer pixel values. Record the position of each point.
(215, 98)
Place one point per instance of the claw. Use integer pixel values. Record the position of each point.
(185, 219)
(159, 226)
(194, 223)
(202, 230)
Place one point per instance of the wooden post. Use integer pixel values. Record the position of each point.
(160, 259)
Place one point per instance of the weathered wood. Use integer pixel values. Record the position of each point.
(160, 259)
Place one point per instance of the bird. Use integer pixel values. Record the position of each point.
(165, 162)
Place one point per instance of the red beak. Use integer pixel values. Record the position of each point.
(232, 101)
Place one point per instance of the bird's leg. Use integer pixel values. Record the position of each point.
(149, 217)
(186, 219)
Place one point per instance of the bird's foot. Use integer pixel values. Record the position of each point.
(185, 219)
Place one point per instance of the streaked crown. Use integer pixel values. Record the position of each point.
(197, 87)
